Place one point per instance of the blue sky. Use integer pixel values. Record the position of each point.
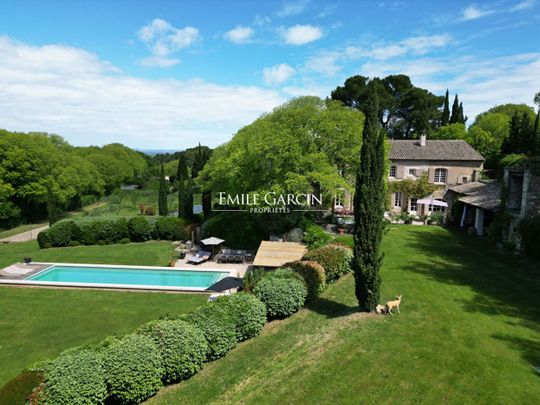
(170, 74)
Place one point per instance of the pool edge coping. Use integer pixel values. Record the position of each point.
(23, 282)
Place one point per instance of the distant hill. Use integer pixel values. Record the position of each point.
(153, 152)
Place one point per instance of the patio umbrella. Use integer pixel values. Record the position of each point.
(213, 241)
(227, 283)
(432, 201)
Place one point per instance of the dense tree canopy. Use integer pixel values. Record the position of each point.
(304, 144)
(39, 169)
(405, 111)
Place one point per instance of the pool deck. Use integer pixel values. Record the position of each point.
(238, 269)
(19, 271)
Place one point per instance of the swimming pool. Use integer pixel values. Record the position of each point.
(137, 277)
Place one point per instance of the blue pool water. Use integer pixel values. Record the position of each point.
(123, 275)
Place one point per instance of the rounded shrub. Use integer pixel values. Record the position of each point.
(75, 378)
(282, 296)
(119, 229)
(247, 312)
(88, 231)
(313, 274)
(60, 233)
(44, 239)
(285, 273)
(182, 347)
(217, 326)
(140, 229)
(336, 260)
(133, 368)
(170, 228)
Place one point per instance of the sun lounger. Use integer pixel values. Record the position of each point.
(199, 257)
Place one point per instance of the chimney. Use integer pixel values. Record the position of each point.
(423, 140)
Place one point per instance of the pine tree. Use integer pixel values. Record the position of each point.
(369, 209)
(163, 192)
(454, 117)
(446, 110)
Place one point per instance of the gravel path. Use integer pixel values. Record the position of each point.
(24, 236)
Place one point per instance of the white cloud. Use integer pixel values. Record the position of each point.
(523, 5)
(325, 62)
(278, 74)
(292, 8)
(331, 62)
(164, 40)
(473, 11)
(239, 34)
(71, 92)
(301, 34)
(261, 20)
(480, 83)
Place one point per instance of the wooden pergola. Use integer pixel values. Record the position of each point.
(276, 254)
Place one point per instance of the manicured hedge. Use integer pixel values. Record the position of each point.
(133, 368)
(60, 233)
(76, 377)
(218, 327)
(44, 239)
(108, 230)
(140, 229)
(313, 274)
(170, 228)
(247, 312)
(336, 260)
(282, 296)
(182, 347)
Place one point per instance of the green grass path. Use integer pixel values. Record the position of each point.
(468, 333)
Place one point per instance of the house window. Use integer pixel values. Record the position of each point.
(398, 197)
(414, 204)
(465, 179)
(393, 171)
(440, 175)
(412, 172)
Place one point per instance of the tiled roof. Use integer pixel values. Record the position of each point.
(433, 150)
(484, 195)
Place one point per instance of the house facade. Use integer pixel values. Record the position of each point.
(444, 162)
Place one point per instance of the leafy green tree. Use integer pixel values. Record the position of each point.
(163, 192)
(445, 119)
(450, 131)
(521, 135)
(303, 145)
(369, 210)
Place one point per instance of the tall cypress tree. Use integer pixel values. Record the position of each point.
(454, 117)
(163, 192)
(461, 115)
(182, 178)
(369, 209)
(198, 162)
(446, 110)
(536, 134)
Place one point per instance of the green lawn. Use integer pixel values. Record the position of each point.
(468, 333)
(38, 323)
(145, 254)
